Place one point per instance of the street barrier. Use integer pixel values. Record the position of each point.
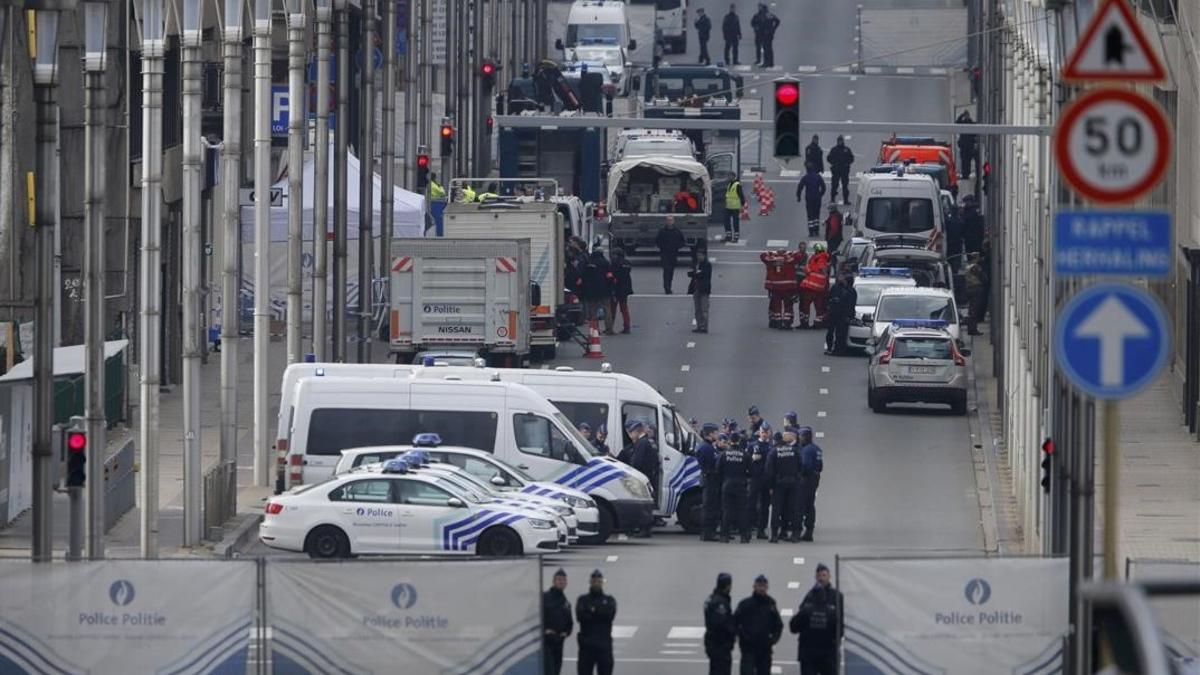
(1177, 617)
(964, 615)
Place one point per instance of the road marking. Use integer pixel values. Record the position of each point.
(545, 366)
(612, 558)
(797, 561)
(776, 669)
(824, 369)
(821, 413)
(789, 173)
(842, 69)
(685, 633)
(622, 537)
(777, 243)
(793, 584)
(678, 390)
(677, 651)
(872, 70)
(819, 434)
(685, 368)
(624, 631)
(691, 345)
(754, 91)
(851, 92)
(823, 390)
(806, 69)
(786, 612)
(854, 78)
(847, 137)
(849, 106)
(742, 69)
(685, 645)
(904, 70)
(938, 71)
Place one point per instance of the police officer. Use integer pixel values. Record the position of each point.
(710, 481)
(595, 611)
(818, 626)
(643, 456)
(759, 627)
(601, 440)
(811, 466)
(585, 430)
(755, 419)
(719, 630)
(734, 467)
(783, 473)
(760, 488)
(557, 623)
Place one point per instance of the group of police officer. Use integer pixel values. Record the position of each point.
(757, 477)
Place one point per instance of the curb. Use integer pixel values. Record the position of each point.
(983, 485)
(239, 536)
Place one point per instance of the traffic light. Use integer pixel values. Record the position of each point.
(787, 119)
(447, 136)
(422, 172)
(489, 125)
(1047, 463)
(75, 440)
(487, 75)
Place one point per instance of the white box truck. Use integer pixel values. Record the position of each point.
(472, 293)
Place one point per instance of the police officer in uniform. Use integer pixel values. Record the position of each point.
(734, 467)
(557, 623)
(595, 611)
(818, 626)
(643, 456)
(783, 473)
(710, 481)
(759, 627)
(719, 630)
(760, 488)
(755, 419)
(811, 466)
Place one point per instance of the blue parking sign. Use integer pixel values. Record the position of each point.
(280, 109)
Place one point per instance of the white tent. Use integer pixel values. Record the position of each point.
(408, 221)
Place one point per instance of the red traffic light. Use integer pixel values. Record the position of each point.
(447, 131)
(1048, 446)
(487, 68)
(76, 441)
(423, 161)
(787, 94)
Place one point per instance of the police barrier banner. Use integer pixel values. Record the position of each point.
(1178, 617)
(126, 616)
(977, 615)
(468, 617)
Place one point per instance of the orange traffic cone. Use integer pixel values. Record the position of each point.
(593, 348)
(745, 211)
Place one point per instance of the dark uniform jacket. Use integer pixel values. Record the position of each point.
(719, 629)
(818, 623)
(669, 240)
(701, 279)
(840, 157)
(622, 279)
(841, 301)
(814, 156)
(595, 612)
(643, 456)
(783, 464)
(703, 27)
(597, 278)
(734, 463)
(812, 462)
(758, 623)
(758, 467)
(556, 613)
(731, 27)
(814, 184)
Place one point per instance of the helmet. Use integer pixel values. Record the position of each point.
(819, 247)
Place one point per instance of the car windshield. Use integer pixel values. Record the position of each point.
(678, 86)
(458, 491)
(578, 32)
(916, 307)
(868, 294)
(900, 215)
(921, 348)
(856, 250)
(468, 483)
(674, 148)
(609, 57)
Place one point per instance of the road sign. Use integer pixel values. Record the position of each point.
(280, 109)
(1112, 145)
(1114, 48)
(1129, 243)
(247, 197)
(1111, 340)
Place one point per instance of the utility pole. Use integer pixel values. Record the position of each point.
(321, 184)
(297, 119)
(426, 68)
(341, 135)
(231, 149)
(95, 62)
(366, 184)
(262, 233)
(193, 24)
(387, 154)
(153, 44)
(451, 94)
(408, 159)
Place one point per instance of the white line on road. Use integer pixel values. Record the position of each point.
(793, 584)
(622, 537)
(678, 390)
(545, 366)
(854, 78)
(872, 70)
(797, 561)
(938, 71)
(776, 669)
(624, 631)
(714, 297)
(691, 345)
(677, 651)
(789, 173)
(848, 137)
(851, 92)
(842, 69)
(904, 70)
(822, 390)
(612, 558)
(806, 69)
(822, 413)
(849, 106)
(819, 434)
(777, 243)
(786, 612)
(684, 645)
(685, 368)
(824, 369)
(685, 633)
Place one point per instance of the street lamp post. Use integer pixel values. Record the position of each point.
(95, 62)
(324, 15)
(231, 150)
(341, 139)
(387, 149)
(297, 117)
(262, 233)
(193, 520)
(366, 185)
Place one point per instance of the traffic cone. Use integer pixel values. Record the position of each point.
(769, 200)
(593, 348)
(745, 211)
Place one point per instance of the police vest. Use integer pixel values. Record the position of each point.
(732, 200)
(468, 195)
(436, 191)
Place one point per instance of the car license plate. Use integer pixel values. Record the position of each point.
(921, 370)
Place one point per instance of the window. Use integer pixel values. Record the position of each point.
(670, 430)
(420, 493)
(332, 430)
(578, 32)
(593, 414)
(378, 491)
(679, 86)
(467, 429)
(899, 215)
(456, 491)
(632, 411)
(667, 5)
(537, 435)
(374, 458)
(916, 307)
(483, 470)
(921, 348)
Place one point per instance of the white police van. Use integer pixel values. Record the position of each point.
(390, 509)
(328, 414)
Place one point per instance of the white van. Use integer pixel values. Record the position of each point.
(329, 414)
(593, 21)
(903, 203)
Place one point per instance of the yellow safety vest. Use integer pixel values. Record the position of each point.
(484, 196)
(436, 191)
(732, 201)
(468, 195)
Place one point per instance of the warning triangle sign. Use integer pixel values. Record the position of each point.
(1113, 47)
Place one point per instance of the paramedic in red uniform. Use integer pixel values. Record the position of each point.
(781, 285)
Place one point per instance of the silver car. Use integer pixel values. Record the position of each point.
(917, 361)
(869, 284)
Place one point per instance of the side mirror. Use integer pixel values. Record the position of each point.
(669, 437)
(558, 44)
(499, 481)
(455, 502)
(632, 45)
(965, 351)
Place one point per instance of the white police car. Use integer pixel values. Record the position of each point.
(916, 303)
(917, 361)
(869, 284)
(485, 467)
(395, 510)
(599, 55)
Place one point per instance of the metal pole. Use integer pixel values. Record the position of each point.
(231, 181)
(451, 98)
(426, 108)
(46, 195)
(297, 118)
(366, 184)
(408, 157)
(341, 135)
(387, 149)
(193, 518)
(1112, 472)
(321, 185)
(75, 523)
(262, 234)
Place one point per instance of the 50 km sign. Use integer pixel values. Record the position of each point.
(1112, 145)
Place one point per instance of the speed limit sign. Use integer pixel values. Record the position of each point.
(1112, 145)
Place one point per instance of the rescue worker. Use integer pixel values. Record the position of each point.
(595, 611)
(815, 286)
(622, 288)
(760, 488)
(967, 147)
(833, 228)
(764, 23)
(685, 202)
(811, 189)
(976, 281)
(731, 30)
(783, 474)
(734, 198)
(818, 625)
(643, 456)
(813, 154)
(734, 467)
(842, 301)
(466, 193)
(755, 418)
(585, 430)
(710, 482)
(759, 627)
(669, 240)
(840, 158)
(700, 289)
(556, 622)
(974, 231)
(811, 466)
(781, 286)
(436, 191)
(703, 28)
(719, 630)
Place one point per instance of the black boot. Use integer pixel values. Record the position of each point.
(774, 537)
(762, 534)
(745, 539)
(807, 536)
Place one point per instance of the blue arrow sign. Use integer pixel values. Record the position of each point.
(1126, 243)
(1111, 340)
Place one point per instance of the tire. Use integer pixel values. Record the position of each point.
(500, 542)
(606, 526)
(958, 406)
(327, 542)
(689, 513)
(877, 402)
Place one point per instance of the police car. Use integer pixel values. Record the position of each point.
(869, 284)
(599, 55)
(929, 304)
(917, 361)
(392, 509)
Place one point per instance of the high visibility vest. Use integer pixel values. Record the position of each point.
(484, 196)
(733, 202)
(436, 191)
(468, 195)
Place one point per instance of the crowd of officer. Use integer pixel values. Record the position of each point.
(757, 478)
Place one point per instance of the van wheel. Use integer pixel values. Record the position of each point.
(607, 524)
(876, 402)
(326, 542)
(958, 406)
(690, 512)
(499, 542)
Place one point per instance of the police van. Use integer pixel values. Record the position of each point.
(897, 203)
(328, 414)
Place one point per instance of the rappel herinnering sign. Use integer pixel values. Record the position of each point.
(1112, 145)
(1113, 47)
